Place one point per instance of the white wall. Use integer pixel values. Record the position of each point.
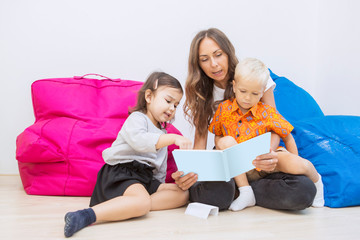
(315, 43)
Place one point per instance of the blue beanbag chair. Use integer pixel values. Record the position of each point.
(293, 102)
(331, 143)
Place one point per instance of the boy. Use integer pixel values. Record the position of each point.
(240, 119)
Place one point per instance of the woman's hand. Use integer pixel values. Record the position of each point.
(184, 182)
(266, 162)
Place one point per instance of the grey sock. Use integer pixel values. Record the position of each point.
(75, 221)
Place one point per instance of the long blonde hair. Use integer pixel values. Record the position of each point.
(199, 105)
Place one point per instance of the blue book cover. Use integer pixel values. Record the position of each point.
(222, 165)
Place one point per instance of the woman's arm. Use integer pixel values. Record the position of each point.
(268, 98)
(200, 141)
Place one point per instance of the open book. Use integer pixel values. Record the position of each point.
(222, 165)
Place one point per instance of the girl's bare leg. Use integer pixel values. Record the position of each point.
(168, 196)
(135, 202)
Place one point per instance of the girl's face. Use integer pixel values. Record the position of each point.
(214, 62)
(162, 104)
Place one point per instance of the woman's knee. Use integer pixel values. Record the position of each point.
(284, 191)
(220, 194)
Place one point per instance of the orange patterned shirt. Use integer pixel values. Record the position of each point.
(261, 118)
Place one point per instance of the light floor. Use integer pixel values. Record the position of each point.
(42, 217)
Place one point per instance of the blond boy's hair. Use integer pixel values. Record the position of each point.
(252, 68)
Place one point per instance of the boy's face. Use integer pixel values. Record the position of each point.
(248, 92)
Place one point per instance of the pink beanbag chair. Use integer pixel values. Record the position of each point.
(75, 120)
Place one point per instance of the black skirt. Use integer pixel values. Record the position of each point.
(113, 180)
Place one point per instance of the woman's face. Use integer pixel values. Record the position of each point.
(214, 62)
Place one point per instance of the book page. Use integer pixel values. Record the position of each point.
(208, 164)
(240, 156)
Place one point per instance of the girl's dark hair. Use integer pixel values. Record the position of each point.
(153, 82)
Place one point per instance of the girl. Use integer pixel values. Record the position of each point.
(131, 183)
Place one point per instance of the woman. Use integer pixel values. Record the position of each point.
(212, 63)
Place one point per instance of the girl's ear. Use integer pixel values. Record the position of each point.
(148, 95)
(233, 87)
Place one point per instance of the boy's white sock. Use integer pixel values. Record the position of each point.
(319, 197)
(245, 199)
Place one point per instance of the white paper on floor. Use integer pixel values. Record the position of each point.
(201, 210)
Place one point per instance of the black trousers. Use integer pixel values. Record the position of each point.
(276, 191)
